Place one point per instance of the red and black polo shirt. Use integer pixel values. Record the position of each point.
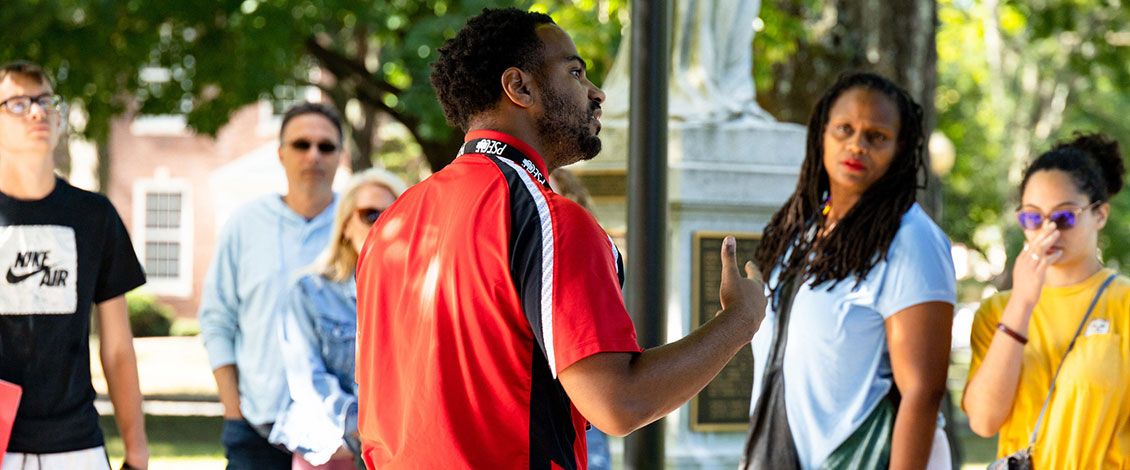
(475, 289)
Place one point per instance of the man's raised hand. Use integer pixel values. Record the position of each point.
(744, 296)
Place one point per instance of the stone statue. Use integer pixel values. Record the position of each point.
(711, 67)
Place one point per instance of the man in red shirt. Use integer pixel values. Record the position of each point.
(491, 325)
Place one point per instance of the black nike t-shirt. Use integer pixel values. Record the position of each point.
(59, 256)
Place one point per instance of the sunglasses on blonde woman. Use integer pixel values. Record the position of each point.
(368, 215)
(1064, 219)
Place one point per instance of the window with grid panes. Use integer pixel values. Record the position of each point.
(162, 223)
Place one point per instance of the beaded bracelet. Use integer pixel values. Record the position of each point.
(1012, 333)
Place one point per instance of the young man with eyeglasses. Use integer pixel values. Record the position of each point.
(64, 250)
(260, 251)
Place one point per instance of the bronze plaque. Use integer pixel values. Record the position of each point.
(723, 406)
(605, 184)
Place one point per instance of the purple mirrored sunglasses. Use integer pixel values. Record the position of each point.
(1064, 219)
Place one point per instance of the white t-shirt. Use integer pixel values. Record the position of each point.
(837, 367)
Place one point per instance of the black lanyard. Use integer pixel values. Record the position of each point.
(501, 149)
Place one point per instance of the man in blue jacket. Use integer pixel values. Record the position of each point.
(264, 244)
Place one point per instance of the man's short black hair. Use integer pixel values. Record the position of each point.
(311, 108)
(467, 76)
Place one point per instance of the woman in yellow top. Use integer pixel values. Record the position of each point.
(1019, 337)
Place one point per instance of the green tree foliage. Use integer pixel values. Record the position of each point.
(208, 59)
(1014, 76)
(91, 46)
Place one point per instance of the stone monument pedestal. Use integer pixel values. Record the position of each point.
(724, 178)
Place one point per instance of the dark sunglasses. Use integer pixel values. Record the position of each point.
(304, 145)
(369, 216)
(1064, 219)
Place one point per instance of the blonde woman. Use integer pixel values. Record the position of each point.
(318, 335)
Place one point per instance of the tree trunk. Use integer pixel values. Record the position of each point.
(103, 146)
(363, 139)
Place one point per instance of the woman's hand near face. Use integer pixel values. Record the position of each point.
(990, 392)
(1031, 266)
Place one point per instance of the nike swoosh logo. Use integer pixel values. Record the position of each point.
(14, 279)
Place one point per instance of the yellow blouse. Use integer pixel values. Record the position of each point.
(1087, 425)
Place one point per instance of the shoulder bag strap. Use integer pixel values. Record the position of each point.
(1048, 399)
(785, 295)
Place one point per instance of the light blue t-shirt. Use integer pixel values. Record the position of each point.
(837, 367)
(261, 251)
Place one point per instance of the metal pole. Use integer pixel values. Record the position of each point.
(647, 202)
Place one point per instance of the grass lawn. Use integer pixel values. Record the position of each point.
(175, 442)
(977, 451)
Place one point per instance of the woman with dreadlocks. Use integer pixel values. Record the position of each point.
(862, 291)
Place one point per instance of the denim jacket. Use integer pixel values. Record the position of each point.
(318, 336)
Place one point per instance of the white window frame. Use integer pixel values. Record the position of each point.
(181, 285)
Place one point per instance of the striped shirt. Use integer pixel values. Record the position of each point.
(475, 289)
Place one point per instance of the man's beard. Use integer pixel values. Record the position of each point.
(565, 128)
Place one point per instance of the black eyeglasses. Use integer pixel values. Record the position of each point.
(20, 105)
(1064, 219)
(369, 215)
(302, 145)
